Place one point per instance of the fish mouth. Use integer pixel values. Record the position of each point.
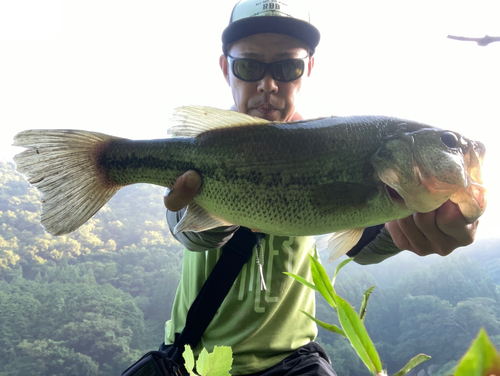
(423, 178)
(430, 192)
(471, 199)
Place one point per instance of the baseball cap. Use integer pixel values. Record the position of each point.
(270, 16)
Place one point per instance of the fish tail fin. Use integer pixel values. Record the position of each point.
(63, 165)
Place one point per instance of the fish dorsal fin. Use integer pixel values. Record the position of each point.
(198, 219)
(190, 121)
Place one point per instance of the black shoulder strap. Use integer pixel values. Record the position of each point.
(235, 253)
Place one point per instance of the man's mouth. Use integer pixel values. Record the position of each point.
(266, 108)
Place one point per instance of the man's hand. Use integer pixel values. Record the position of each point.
(183, 191)
(440, 231)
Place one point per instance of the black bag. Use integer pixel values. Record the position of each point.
(158, 363)
(168, 361)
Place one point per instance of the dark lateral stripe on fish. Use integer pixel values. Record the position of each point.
(129, 161)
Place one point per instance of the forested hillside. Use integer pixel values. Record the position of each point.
(88, 303)
(92, 302)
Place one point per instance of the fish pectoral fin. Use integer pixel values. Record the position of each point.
(190, 121)
(342, 242)
(198, 219)
(321, 242)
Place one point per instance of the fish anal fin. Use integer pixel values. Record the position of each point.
(342, 242)
(198, 219)
(190, 121)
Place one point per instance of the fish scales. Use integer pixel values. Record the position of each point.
(267, 177)
(302, 178)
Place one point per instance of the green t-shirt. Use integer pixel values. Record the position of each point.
(261, 327)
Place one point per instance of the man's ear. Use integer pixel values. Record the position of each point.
(310, 66)
(224, 66)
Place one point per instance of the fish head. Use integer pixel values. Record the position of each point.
(428, 166)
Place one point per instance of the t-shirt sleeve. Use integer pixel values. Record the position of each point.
(375, 246)
(200, 241)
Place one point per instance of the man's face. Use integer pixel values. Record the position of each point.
(267, 98)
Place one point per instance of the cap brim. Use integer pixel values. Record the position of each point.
(293, 27)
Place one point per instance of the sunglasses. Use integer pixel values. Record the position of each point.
(253, 70)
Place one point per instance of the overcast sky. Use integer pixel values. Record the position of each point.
(120, 67)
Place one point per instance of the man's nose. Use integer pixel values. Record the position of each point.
(267, 84)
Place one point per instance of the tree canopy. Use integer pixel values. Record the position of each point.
(92, 302)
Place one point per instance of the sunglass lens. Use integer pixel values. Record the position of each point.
(288, 70)
(248, 70)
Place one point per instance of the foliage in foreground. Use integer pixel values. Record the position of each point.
(482, 359)
(352, 323)
(216, 363)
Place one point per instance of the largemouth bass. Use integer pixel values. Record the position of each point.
(312, 177)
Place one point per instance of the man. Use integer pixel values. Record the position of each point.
(265, 328)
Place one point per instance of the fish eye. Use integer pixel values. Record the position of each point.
(449, 139)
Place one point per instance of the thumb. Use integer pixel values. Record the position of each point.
(183, 191)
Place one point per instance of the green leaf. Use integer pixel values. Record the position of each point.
(302, 280)
(324, 325)
(357, 335)
(482, 359)
(188, 358)
(217, 363)
(322, 282)
(415, 361)
(340, 266)
(364, 302)
(202, 364)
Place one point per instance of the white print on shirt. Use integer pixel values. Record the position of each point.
(250, 275)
